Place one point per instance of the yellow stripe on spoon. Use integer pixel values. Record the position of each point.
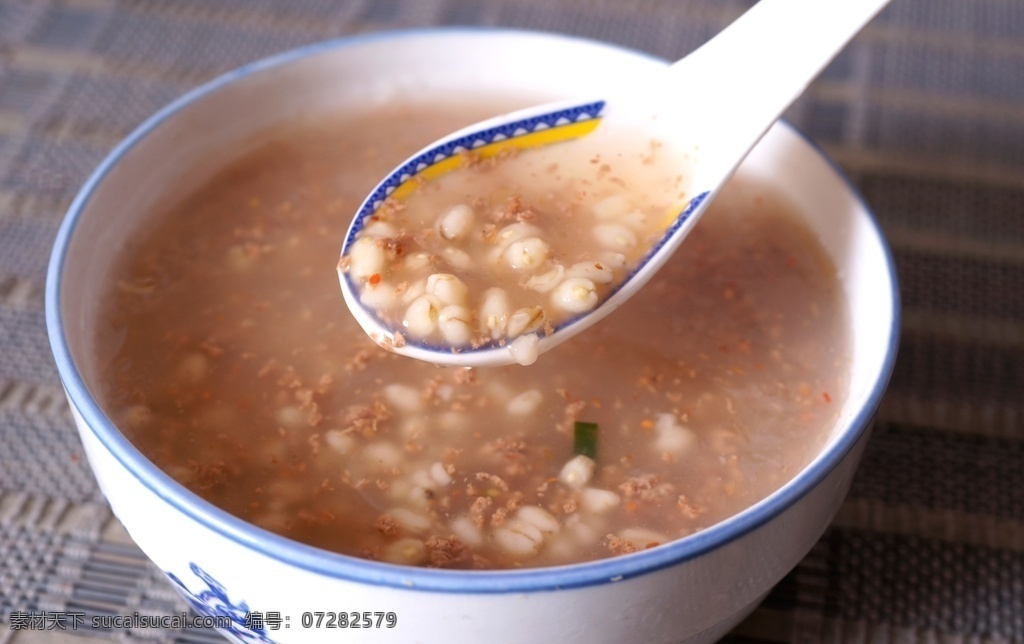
(537, 139)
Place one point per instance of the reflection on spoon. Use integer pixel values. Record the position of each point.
(494, 245)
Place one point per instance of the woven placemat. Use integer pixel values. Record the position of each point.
(925, 111)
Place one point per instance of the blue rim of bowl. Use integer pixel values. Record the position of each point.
(340, 566)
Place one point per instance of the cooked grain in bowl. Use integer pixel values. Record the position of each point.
(234, 366)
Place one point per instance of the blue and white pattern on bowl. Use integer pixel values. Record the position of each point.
(214, 601)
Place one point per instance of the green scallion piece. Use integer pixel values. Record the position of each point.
(584, 439)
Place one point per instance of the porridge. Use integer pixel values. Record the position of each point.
(235, 367)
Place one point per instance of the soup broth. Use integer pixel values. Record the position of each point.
(235, 367)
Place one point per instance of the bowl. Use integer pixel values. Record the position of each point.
(691, 590)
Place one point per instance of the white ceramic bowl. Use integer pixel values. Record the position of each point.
(694, 589)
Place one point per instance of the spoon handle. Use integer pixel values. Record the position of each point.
(741, 80)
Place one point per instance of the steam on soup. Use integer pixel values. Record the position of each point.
(235, 367)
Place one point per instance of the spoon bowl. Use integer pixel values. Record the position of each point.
(707, 110)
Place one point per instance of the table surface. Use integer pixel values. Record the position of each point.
(924, 111)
